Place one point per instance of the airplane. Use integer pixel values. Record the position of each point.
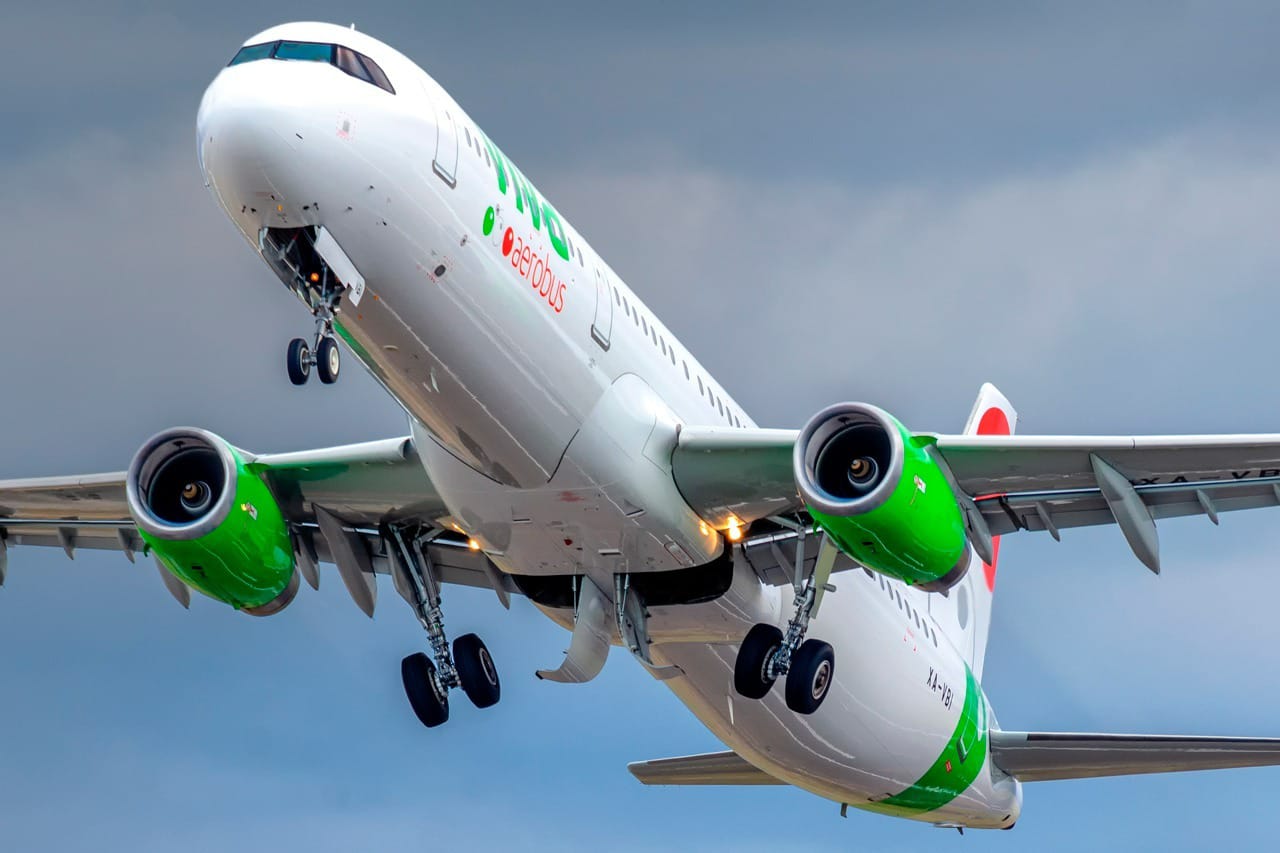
(564, 446)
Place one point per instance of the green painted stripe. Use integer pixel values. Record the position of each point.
(957, 766)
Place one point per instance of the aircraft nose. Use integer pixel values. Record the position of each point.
(248, 141)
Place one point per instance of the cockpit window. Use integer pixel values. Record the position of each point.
(344, 58)
(252, 52)
(349, 61)
(304, 50)
(379, 79)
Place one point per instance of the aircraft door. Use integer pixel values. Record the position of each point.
(602, 325)
(445, 161)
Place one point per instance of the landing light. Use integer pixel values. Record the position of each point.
(473, 545)
(735, 529)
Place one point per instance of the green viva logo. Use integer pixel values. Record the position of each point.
(540, 212)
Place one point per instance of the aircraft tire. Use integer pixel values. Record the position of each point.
(298, 361)
(476, 671)
(428, 697)
(813, 667)
(757, 649)
(328, 360)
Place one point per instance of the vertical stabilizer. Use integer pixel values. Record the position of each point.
(992, 414)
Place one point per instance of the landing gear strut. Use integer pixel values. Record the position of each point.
(766, 653)
(467, 665)
(293, 255)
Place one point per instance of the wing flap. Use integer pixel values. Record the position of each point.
(1053, 511)
(1049, 756)
(714, 768)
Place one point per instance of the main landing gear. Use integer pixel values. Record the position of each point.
(467, 665)
(324, 356)
(766, 653)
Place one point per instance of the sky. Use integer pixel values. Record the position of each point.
(870, 201)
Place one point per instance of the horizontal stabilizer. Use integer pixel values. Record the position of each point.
(1046, 756)
(714, 768)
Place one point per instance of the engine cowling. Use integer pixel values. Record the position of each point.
(872, 486)
(211, 520)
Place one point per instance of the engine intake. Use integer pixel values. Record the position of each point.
(874, 488)
(211, 521)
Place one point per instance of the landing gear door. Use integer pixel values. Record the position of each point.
(445, 161)
(602, 326)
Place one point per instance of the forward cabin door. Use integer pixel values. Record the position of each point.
(602, 326)
(445, 161)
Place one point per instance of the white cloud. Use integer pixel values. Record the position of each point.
(1123, 271)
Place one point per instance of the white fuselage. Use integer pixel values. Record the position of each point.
(545, 400)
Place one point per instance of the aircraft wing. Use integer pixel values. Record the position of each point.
(362, 486)
(1009, 483)
(1047, 756)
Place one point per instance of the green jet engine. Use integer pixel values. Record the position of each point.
(876, 491)
(212, 521)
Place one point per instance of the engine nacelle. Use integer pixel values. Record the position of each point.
(875, 490)
(212, 521)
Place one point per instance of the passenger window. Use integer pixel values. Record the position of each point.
(672, 353)
(699, 385)
(617, 297)
(644, 325)
(467, 133)
(686, 368)
(253, 52)
(662, 342)
(305, 51)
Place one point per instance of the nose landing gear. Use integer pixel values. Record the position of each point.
(468, 665)
(325, 356)
(293, 254)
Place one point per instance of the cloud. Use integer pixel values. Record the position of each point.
(1145, 268)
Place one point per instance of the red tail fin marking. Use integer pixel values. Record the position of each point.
(993, 422)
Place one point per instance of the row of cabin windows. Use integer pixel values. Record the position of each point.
(905, 606)
(473, 142)
(651, 331)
